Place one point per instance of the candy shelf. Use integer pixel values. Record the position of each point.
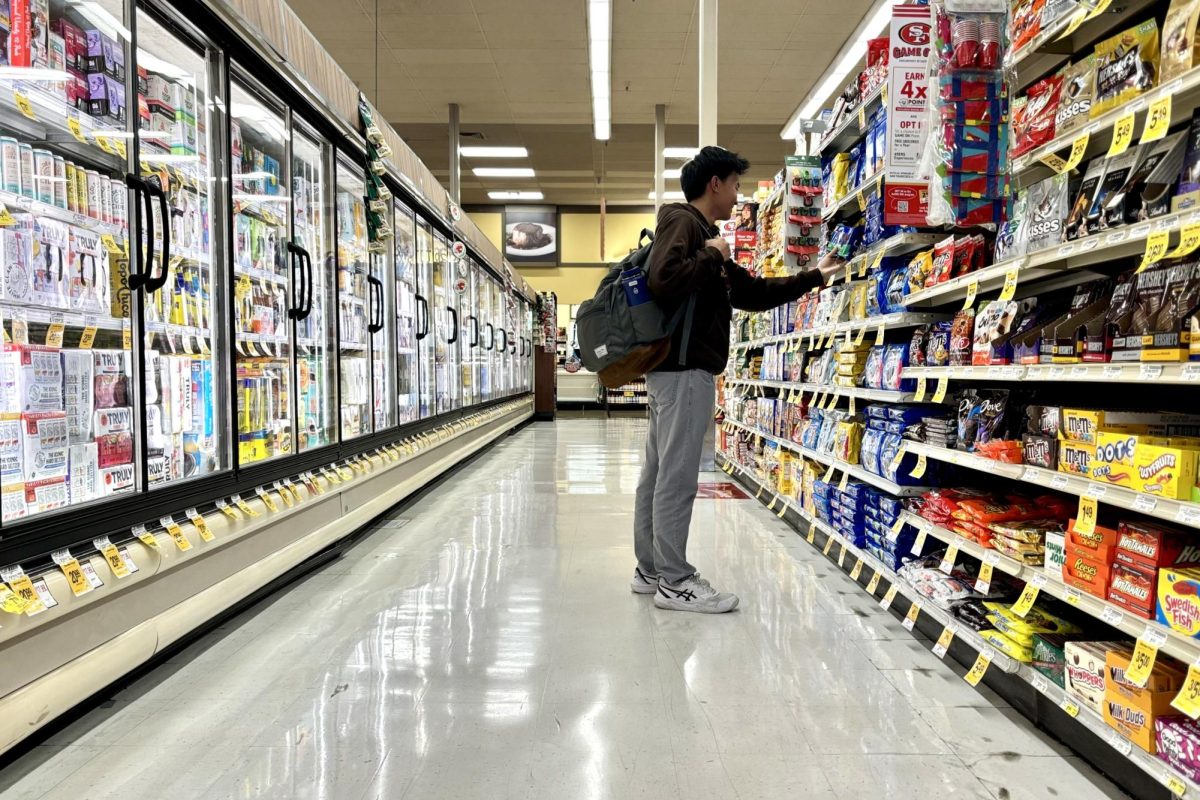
(1047, 51)
(1134, 372)
(848, 206)
(1182, 647)
(899, 320)
(850, 131)
(1179, 511)
(1151, 765)
(877, 395)
(1099, 248)
(900, 244)
(853, 470)
(1184, 92)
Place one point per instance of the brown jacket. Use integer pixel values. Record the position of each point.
(681, 265)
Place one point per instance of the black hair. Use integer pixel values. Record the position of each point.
(711, 162)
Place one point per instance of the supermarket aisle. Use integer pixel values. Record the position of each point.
(484, 643)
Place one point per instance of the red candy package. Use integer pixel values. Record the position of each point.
(1033, 123)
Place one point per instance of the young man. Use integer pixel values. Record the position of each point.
(690, 259)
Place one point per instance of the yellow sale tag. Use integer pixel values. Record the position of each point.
(854, 573)
(268, 501)
(828, 545)
(862, 334)
(1176, 786)
(985, 577)
(1158, 119)
(7, 220)
(943, 642)
(23, 104)
(1054, 162)
(75, 577)
(126, 337)
(1100, 8)
(849, 272)
(75, 129)
(244, 506)
(31, 601)
(918, 471)
(331, 475)
(1010, 284)
(873, 584)
(1189, 241)
(842, 556)
(852, 406)
(201, 525)
(20, 331)
(87, 338)
(1026, 600)
(54, 334)
(919, 394)
(879, 332)
(11, 602)
(115, 561)
(862, 201)
(285, 495)
(1142, 663)
(782, 510)
(1122, 136)
(812, 533)
(862, 117)
(828, 474)
(147, 538)
(771, 505)
(1156, 248)
(889, 596)
(972, 291)
(229, 510)
(1071, 707)
(939, 393)
(918, 546)
(119, 146)
(910, 619)
(1085, 521)
(978, 669)
(844, 482)
(1078, 147)
(1188, 699)
(950, 559)
(759, 493)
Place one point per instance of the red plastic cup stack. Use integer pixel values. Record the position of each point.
(965, 40)
(989, 51)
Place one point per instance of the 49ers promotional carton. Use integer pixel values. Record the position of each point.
(1179, 599)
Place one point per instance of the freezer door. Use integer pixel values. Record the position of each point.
(313, 280)
(182, 294)
(407, 320)
(446, 328)
(353, 271)
(382, 311)
(483, 313)
(464, 285)
(426, 336)
(264, 303)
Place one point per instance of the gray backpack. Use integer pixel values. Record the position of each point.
(623, 334)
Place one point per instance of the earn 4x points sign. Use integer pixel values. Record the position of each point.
(905, 197)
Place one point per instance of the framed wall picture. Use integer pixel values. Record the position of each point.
(531, 234)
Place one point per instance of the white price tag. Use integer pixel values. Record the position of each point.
(1112, 616)
(1154, 635)
(1029, 474)
(1150, 372)
(1120, 743)
(1080, 370)
(1190, 372)
(1059, 482)
(1040, 683)
(1095, 490)
(1039, 581)
(1189, 514)
(1057, 372)
(1066, 250)
(1112, 371)
(1145, 503)
(1089, 244)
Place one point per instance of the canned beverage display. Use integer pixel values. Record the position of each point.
(96, 192)
(72, 189)
(106, 202)
(81, 192)
(10, 164)
(60, 182)
(27, 170)
(43, 176)
(120, 203)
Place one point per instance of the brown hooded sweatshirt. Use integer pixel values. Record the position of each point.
(681, 265)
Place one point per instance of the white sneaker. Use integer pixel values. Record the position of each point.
(694, 594)
(643, 583)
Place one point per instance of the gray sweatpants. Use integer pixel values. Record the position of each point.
(681, 410)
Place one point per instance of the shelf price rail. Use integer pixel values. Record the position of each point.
(1152, 766)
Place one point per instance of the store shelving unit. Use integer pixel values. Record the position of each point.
(887, 322)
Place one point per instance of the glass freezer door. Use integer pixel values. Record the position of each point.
(426, 338)
(353, 271)
(310, 257)
(66, 362)
(407, 370)
(464, 301)
(445, 316)
(263, 303)
(182, 287)
(382, 323)
(481, 316)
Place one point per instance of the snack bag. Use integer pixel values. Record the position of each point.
(1035, 125)
(1045, 212)
(1126, 66)
(1179, 48)
(1075, 96)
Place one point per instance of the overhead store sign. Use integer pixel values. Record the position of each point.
(906, 197)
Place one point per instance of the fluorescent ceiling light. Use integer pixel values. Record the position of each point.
(670, 195)
(871, 27)
(599, 16)
(516, 195)
(476, 151)
(672, 173)
(503, 172)
(680, 152)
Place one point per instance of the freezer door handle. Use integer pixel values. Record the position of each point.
(153, 284)
(376, 304)
(143, 215)
(453, 325)
(491, 336)
(304, 282)
(504, 341)
(422, 331)
(474, 330)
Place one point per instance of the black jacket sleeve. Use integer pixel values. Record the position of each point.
(679, 263)
(749, 293)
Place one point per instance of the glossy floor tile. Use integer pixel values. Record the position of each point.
(483, 643)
